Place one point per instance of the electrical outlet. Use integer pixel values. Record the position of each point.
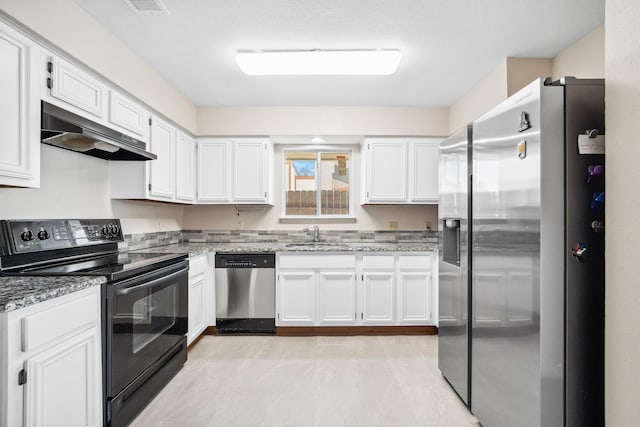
(393, 225)
(427, 225)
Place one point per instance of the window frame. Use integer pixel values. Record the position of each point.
(318, 150)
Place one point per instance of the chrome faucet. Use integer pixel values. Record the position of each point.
(315, 233)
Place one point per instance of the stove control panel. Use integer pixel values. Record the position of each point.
(19, 236)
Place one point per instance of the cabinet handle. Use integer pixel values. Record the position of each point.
(22, 377)
(362, 316)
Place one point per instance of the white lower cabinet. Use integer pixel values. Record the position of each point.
(339, 289)
(415, 290)
(336, 298)
(296, 298)
(51, 363)
(414, 297)
(200, 294)
(377, 298)
(316, 289)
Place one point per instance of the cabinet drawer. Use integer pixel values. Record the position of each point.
(197, 265)
(414, 262)
(317, 261)
(378, 262)
(56, 323)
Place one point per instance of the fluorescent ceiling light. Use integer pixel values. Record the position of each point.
(318, 62)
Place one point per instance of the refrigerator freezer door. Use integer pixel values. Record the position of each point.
(511, 199)
(453, 332)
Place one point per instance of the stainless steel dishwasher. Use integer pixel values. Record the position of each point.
(245, 293)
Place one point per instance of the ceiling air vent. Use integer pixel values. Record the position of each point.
(147, 6)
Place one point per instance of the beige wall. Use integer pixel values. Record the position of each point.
(522, 71)
(69, 27)
(323, 121)
(485, 94)
(74, 185)
(622, 311)
(509, 76)
(368, 217)
(583, 59)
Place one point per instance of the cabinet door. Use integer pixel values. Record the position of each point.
(64, 386)
(250, 171)
(424, 174)
(162, 170)
(296, 291)
(129, 116)
(185, 168)
(20, 110)
(378, 298)
(337, 298)
(197, 300)
(77, 88)
(386, 176)
(213, 157)
(414, 290)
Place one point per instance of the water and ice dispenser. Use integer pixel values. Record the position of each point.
(451, 241)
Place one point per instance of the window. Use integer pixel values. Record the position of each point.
(317, 183)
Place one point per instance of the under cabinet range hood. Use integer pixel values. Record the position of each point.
(70, 131)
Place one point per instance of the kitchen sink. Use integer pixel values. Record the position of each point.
(318, 245)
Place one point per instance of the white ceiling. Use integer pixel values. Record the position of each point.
(447, 45)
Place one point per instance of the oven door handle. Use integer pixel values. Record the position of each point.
(125, 291)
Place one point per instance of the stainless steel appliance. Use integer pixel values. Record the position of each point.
(67, 130)
(454, 227)
(144, 307)
(245, 293)
(537, 258)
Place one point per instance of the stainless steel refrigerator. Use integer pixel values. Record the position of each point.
(532, 283)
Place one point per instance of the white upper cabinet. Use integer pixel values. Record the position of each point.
(162, 170)
(234, 170)
(423, 179)
(129, 116)
(386, 170)
(19, 110)
(169, 178)
(185, 167)
(76, 90)
(400, 170)
(250, 167)
(213, 174)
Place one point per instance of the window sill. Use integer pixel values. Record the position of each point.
(317, 219)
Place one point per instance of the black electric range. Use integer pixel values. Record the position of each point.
(144, 302)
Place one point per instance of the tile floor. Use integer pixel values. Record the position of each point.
(357, 381)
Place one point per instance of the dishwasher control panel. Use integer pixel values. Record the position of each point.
(245, 260)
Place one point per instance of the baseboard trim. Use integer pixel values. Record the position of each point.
(298, 331)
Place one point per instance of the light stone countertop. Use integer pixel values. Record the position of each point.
(195, 249)
(22, 291)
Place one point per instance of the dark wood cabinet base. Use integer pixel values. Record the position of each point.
(354, 330)
(308, 331)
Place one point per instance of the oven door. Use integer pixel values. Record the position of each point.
(147, 315)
